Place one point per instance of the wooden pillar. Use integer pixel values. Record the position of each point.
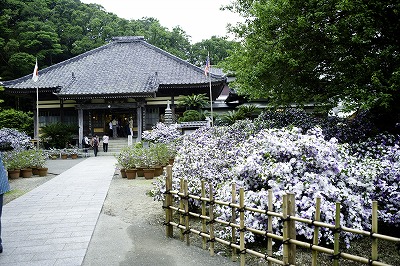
(139, 118)
(80, 123)
(61, 110)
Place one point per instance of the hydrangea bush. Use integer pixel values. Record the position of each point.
(258, 156)
(162, 133)
(17, 140)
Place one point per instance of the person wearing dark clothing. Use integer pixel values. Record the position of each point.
(95, 144)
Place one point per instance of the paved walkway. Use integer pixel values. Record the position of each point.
(53, 224)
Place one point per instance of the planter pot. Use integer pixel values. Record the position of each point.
(158, 170)
(35, 171)
(140, 172)
(64, 156)
(43, 171)
(13, 174)
(74, 156)
(148, 173)
(123, 173)
(54, 157)
(130, 173)
(26, 172)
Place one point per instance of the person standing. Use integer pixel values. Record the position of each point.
(85, 145)
(114, 127)
(105, 143)
(4, 187)
(110, 128)
(95, 145)
(131, 126)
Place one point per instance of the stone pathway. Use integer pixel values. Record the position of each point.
(53, 223)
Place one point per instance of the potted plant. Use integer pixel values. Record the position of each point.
(64, 153)
(53, 153)
(38, 160)
(29, 162)
(73, 152)
(127, 162)
(39, 163)
(11, 161)
(149, 160)
(161, 154)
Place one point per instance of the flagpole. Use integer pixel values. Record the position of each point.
(37, 114)
(211, 98)
(35, 77)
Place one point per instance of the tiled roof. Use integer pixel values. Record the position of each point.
(126, 66)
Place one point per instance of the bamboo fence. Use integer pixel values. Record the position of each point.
(288, 237)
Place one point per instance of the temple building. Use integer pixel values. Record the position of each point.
(127, 78)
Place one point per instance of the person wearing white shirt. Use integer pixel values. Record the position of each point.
(105, 142)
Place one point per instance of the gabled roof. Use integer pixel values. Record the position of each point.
(128, 66)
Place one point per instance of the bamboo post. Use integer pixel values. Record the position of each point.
(336, 236)
(168, 202)
(285, 250)
(317, 217)
(242, 229)
(291, 206)
(233, 220)
(270, 208)
(181, 207)
(204, 213)
(211, 214)
(186, 203)
(374, 254)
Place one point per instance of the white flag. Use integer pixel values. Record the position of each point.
(35, 75)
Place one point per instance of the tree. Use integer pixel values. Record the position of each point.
(318, 51)
(217, 47)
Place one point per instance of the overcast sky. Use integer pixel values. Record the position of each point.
(200, 19)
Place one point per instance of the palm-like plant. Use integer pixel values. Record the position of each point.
(194, 101)
(231, 117)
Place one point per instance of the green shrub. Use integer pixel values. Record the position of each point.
(191, 115)
(21, 121)
(58, 135)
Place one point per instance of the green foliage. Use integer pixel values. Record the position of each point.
(231, 117)
(217, 47)
(249, 111)
(318, 51)
(58, 135)
(194, 101)
(53, 31)
(18, 120)
(242, 112)
(191, 115)
(139, 156)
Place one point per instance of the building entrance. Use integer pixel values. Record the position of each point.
(99, 122)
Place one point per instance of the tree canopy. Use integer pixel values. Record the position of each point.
(318, 51)
(56, 30)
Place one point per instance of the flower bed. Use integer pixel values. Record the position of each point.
(308, 164)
